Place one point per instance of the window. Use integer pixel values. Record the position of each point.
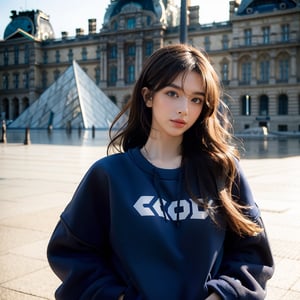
(284, 70)
(130, 23)
(56, 74)
(246, 105)
(266, 35)
(26, 80)
(44, 80)
(45, 57)
(16, 55)
(5, 81)
(148, 20)
(113, 51)
(264, 71)
(70, 55)
(148, 48)
(264, 105)
(282, 104)
(57, 56)
(248, 37)
(26, 54)
(115, 26)
(207, 43)
(84, 53)
(131, 50)
(6, 57)
(225, 72)
(130, 74)
(112, 76)
(225, 42)
(282, 127)
(285, 33)
(16, 80)
(97, 75)
(246, 72)
(98, 52)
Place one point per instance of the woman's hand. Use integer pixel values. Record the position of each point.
(213, 296)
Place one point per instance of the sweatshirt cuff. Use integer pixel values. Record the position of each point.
(223, 288)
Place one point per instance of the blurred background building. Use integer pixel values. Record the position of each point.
(256, 54)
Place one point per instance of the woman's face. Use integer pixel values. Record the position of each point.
(176, 107)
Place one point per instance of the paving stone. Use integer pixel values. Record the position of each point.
(8, 294)
(15, 266)
(41, 284)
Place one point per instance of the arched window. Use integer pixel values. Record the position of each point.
(264, 69)
(25, 104)
(5, 109)
(246, 105)
(15, 108)
(225, 71)
(283, 67)
(282, 104)
(70, 55)
(245, 70)
(264, 105)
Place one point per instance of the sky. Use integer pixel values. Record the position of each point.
(67, 15)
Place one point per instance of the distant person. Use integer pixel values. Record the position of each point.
(3, 132)
(171, 216)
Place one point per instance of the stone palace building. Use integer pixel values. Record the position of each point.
(256, 53)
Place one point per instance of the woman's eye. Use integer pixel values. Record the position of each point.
(197, 100)
(172, 94)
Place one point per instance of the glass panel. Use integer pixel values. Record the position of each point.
(73, 99)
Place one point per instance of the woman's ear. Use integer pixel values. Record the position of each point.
(147, 95)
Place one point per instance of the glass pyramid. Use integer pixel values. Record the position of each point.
(72, 100)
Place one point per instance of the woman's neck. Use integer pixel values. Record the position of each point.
(163, 154)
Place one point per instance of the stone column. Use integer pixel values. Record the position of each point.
(120, 66)
(103, 65)
(254, 69)
(234, 79)
(293, 61)
(138, 57)
(272, 79)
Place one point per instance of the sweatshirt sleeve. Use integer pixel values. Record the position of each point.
(247, 262)
(79, 251)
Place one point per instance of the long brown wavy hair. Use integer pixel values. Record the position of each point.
(208, 151)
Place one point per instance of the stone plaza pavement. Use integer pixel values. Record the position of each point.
(37, 181)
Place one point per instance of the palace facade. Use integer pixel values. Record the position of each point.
(256, 54)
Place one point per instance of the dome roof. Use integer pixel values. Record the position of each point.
(116, 7)
(29, 23)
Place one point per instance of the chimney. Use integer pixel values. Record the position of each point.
(79, 32)
(92, 26)
(64, 35)
(193, 15)
(233, 7)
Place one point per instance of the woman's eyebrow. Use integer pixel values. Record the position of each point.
(173, 85)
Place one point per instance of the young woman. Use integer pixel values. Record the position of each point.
(171, 216)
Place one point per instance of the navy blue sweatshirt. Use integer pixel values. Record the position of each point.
(126, 231)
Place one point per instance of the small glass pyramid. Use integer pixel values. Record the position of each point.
(73, 100)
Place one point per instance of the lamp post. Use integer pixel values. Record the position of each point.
(183, 22)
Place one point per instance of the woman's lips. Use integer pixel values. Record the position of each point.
(179, 123)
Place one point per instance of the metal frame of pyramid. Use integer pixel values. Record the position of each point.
(72, 101)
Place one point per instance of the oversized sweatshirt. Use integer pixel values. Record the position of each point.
(131, 229)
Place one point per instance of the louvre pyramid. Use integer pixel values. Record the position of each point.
(72, 100)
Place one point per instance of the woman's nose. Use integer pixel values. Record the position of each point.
(183, 106)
